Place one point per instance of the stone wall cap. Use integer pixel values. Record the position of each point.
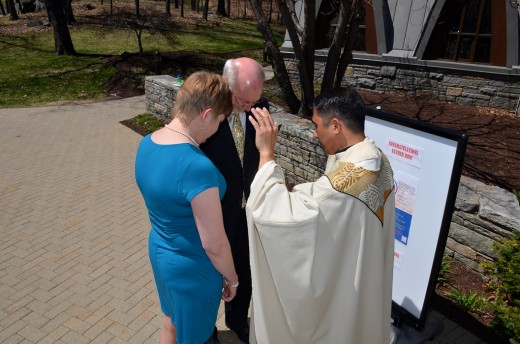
(500, 207)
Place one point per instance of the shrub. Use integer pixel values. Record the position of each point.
(504, 276)
(507, 321)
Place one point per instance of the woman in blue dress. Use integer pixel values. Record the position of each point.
(188, 248)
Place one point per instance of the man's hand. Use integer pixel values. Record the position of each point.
(266, 133)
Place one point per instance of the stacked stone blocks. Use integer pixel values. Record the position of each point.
(470, 88)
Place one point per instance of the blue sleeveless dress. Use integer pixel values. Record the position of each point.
(189, 287)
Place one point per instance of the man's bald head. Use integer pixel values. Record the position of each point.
(246, 80)
(243, 72)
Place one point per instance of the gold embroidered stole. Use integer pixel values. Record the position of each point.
(370, 187)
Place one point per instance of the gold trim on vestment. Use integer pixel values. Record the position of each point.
(370, 187)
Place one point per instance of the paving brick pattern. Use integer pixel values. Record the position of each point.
(73, 263)
(73, 230)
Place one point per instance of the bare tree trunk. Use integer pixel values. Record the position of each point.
(302, 39)
(139, 34)
(11, 8)
(2, 8)
(346, 56)
(278, 63)
(62, 40)
(340, 51)
(68, 12)
(177, 3)
(308, 49)
(338, 41)
(205, 10)
(137, 8)
(229, 8)
(302, 63)
(270, 11)
(168, 11)
(221, 8)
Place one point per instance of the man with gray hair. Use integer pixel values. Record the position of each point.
(232, 149)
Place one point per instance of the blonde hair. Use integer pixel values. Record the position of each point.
(200, 91)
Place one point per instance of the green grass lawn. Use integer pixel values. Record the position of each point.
(31, 74)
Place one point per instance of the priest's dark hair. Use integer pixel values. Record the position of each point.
(343, 103)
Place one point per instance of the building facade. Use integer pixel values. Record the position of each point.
(466, 51)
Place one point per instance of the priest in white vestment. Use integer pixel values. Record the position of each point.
(322, 254)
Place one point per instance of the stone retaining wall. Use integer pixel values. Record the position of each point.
(483, 214)
(161, 91)
(464, 87)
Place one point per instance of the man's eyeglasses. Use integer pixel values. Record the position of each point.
(244, 103)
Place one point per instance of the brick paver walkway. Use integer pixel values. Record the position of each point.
(73, 264)
(73, 230)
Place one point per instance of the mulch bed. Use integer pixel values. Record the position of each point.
(466, 281)
(493, 151)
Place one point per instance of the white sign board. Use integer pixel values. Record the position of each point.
(427, 163)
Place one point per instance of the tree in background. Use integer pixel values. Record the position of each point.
(340, 50)
(168, 11)
(205, 10)
(2, 10)
(62, 40)
(11, 8)
(277, 61)
(149, 20)
(303, 43)
(221, 8)
(68, 12)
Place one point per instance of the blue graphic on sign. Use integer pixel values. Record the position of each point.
(402, 225)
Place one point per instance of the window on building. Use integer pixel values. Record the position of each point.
(469, 31)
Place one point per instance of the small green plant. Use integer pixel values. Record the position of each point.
(148, 121)
(517, 194)
(470, 302)
(445, 270)
(504, 276)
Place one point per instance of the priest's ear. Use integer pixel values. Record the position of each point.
(336, 125)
